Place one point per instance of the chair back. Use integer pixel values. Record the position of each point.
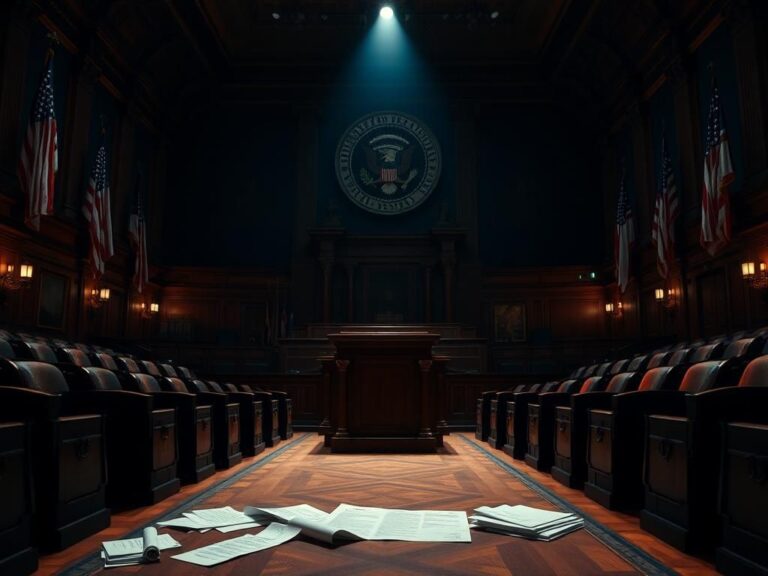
(658, 359)
(745, 348)
(679, 356)
(593, 384)
(168, 370)
(602, 370)
(34, 375)
(662, 378)
(39, 351)
(172, 384)
(706, 376)
(624, 382)
(92, 378)
(707, 352)
(197, 386)
(214, 386)
(578, 372)
(73, 356)
(569, 386)
(144, 383)
(149, 367)
(6, 350)
(618, 367)
(185, 373)
(756, 373)
(639, 363)
(590, 371)
(229, 387)
(127, 364)
(104, 360)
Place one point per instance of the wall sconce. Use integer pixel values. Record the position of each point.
(9, 280)
(99, 296)
(666, 298)
(149, 311)
(614, 310)
(755, 274)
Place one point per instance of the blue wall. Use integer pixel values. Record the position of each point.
(539, 201)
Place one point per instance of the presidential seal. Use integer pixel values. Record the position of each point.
(388, 162)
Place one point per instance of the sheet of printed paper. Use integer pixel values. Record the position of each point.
(272, 535)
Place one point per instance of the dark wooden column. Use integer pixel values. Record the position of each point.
(426, 407)
(329, 368)
(341, 407)
(428, 294)
(350, 268)
(324, 246)
(749, 52)
(448, 237)
(79, 124)
(13, 74)
(440, 396)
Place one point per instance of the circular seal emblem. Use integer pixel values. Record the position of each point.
(388, 162)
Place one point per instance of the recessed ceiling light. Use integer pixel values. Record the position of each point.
(276, 15)
(494, 14)
(386, 12)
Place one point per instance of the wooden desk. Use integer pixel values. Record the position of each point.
(384, 397)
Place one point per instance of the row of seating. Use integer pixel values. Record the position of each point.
(651, 434)
(98, 431)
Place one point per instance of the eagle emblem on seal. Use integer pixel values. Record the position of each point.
(388, 162)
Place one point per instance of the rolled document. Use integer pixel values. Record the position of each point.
(151, 549)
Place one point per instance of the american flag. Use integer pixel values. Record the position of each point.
(138, 235)
(625, 237)
(39, 153)
(665, 213)
(98, 213)
(718, 175)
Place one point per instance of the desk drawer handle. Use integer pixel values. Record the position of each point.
(665, 450)
(82, 447)
(757, 469)
(599, 435)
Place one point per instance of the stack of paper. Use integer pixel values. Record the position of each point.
(136, 550)
(225, 519)
(526, 522)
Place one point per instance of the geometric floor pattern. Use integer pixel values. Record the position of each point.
(462, 476)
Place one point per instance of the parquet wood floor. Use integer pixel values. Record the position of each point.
(459, 478)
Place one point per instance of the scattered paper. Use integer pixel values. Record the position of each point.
(273, 535)
(526, 522)
(137, 550)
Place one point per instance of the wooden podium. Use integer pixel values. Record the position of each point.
(383, 397)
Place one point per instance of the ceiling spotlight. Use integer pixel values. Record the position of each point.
(276, 15)
(386, 12)
(494, 14)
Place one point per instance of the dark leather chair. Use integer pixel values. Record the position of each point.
(707, 352)
(743, 483)
(142, 450)
(185, 373)
(483, 415)
(226, 423)
(658, 359)
(251, 432)
(639, 363)
(73, 356)
(103, 360)
(497, 433)
(69, 467)
(194, 422)
(17, 554)
(34, 350)
(683, 450)
(517, 418)
(617, 367)
(615, 438)
(168, 370)
(577, 373)
(602, 369)
(149, 367)
(128, 365)
(570, 426)
(270, 414)
(541, 419)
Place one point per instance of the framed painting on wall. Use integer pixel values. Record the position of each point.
(509, 322)
(53, 301)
